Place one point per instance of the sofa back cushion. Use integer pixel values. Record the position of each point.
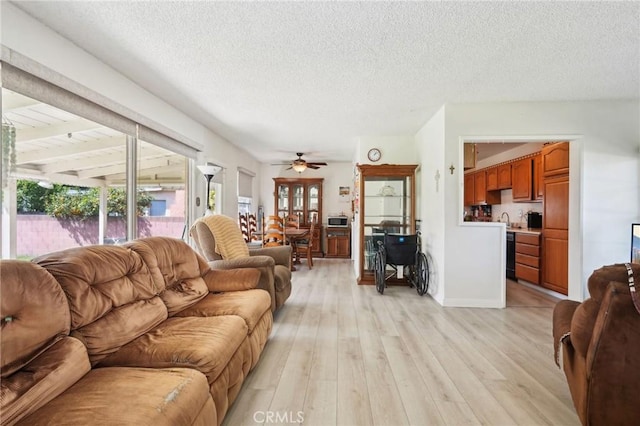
(34, 313)
(229, 243)
(599, 280)
(175, 267)
(112, 296)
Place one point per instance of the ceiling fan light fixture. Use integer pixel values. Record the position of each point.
(299, 166)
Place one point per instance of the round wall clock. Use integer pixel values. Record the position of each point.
(374, 154)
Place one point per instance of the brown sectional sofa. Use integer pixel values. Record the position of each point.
(144, 333)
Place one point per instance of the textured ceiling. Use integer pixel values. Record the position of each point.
(277, 78)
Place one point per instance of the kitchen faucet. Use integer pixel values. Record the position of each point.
(508, 220)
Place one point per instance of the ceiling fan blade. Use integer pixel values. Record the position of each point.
(316, 163)
(312, 166)
(289, 168)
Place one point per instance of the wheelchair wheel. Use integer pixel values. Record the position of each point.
(422, 274)
(379, 270)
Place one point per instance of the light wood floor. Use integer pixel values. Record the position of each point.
(342, 354)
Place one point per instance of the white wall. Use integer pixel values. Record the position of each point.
(25, 35)
(394, 149)
(430, 145)
(604, 190)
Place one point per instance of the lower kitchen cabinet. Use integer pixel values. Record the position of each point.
(338, 242)
(528, 257)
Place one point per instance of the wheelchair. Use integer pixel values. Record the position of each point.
(398, 250)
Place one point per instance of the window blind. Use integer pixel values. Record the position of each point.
(25, 76)
(245, 184)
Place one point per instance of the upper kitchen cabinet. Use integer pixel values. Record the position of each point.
(555, 159)
(521, 179)
(504, 176)
(499, 177)
(538, 178)
(470, 156)
(492, 179)
(476, 192)
(469, 190)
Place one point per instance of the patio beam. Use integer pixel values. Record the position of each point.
(120, 169)
(95, 161)
(73, 149)
(61, 129)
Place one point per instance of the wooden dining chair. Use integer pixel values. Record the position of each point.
(273, 231)
(292, 221)
(243, 222)
(253, 227)
(305, 247)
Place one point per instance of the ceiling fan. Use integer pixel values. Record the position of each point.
(300, 165)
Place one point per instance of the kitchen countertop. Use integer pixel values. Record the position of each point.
(535, 231)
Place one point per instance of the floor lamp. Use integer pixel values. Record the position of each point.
(209, 172)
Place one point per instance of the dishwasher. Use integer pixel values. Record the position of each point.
(511, 255)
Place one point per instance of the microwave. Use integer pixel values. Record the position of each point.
(342, 221)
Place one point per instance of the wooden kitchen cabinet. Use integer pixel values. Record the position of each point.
(492, 179)
(555, 159)
(528, 264)
(475, 190)
(480, 187)
(556, 234)
(504, 176)
(521, 179)
(469, 189)
(338, 242)
(470, 156)
(538, 178)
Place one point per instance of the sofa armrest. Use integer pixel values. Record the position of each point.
(281, 255)
(245, 262)
(222, 280)
(562, 316)
(266, 266)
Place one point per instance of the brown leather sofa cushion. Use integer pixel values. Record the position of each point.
(176, 268)
(206, 344)
(132, 396)
(43, 379)
(250, 305)
(33, 311)
(600, 279)
(112, 296)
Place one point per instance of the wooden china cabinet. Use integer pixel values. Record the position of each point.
(301, 197)
(387, 205)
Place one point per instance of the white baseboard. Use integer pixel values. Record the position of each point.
(474, 303)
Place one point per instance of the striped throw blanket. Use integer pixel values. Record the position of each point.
(229, 241)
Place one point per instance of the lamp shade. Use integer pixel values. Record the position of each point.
(209, 170)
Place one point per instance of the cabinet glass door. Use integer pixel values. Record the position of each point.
(297, 200)
(387, 210)
(312, 205)
(283, 200)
